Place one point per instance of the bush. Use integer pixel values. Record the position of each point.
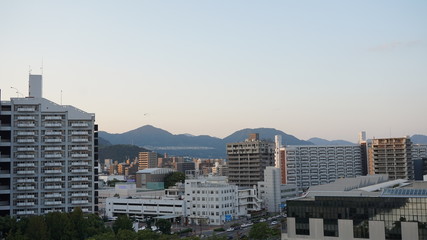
(219, 229)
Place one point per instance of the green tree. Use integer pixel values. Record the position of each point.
(259, 231)
(59, 226)
(122, 222)
(36, 228)
(164, 226)
(6, 225)
(172, 178)
(125, 234)
(77, 220)
(147, 234)
(103, 236)
(94, 225)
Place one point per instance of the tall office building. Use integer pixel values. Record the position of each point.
(310, 165)
(392, 156)
(247, 160)
(147, 160)
(48, 156)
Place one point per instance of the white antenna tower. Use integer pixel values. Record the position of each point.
(17, 92)
(61, 96)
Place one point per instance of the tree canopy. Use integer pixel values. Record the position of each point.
(172, 178)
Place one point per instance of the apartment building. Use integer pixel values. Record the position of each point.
(247, 160)
(312, 165)
(147, 160)
(48, 156)
(392, 156)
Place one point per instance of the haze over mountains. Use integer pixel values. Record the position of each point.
(204, 146)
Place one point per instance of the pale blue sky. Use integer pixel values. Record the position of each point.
(310, 68)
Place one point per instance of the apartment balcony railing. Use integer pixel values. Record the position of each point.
(53, 164)
(25, 188)
(30, 212)
(26, 165)
(25, 180)
(25, 196)
(53, 118)
(53, 133)
(53, 155)
(79, 194)
(79, 133)
(80, 171)
(79, 140)
(79, 164)
(53, 195)
(80, 148)
(26, 149)
(53, 187)
(79, 202)
(51, 203)
(25, 156)
(26, 140)
(26, 118)
(26, 109)
(53, 180)
(52, 171)
(53, 140)
(26, 124)
(79, 125)
(26, 133)
(79, 155)
(79, 186)
(53, 124)
(25, 204)
(52, 148)
(79, 179)
(25, 172)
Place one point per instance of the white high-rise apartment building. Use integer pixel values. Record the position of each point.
(48, 156)
(314, 165)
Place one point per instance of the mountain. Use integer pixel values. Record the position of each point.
(265, 133)
(321, 141)
(202, 146)
(419, 139)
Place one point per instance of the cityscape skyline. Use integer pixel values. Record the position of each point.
(324, 69)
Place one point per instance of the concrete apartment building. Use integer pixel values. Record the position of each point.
(147, 160)
(48, 156)
(311, 165)
(392, 156)
(247, 160)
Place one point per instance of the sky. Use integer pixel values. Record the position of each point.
(326, 69)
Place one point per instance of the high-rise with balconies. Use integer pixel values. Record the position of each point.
(48, 156)
(247, 160)
(392, 156)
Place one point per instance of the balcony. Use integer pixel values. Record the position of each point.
(52, 171)
(26, 109)
(26, 149)
(80, 140)
(80, 171)
(79, 125)
(26, 156)
(25, 188)
(53, 195)
(26, 165)
(53, 180)
(26, 140)
(53, 133)
(26, 133)
(79, 179)
(53, 155)
(80, 148)
(79, 164)
(25, 204)
(53, 187)
(25, 172)
(26, 124)
(26, 118)
(56, 124)
(53, 140)
(53, 118)
(51, 203)
(53, 164)
(79, 194)
(25, 180)
(80, 202)
(79, 133)
(80, 186)
(25, 196)
(79, 155)
(30, 212)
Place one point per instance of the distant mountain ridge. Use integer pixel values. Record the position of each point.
(321, 141)
(202, 146)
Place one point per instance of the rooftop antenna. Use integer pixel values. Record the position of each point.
(61, 96)
(17, 92)
(41, 68)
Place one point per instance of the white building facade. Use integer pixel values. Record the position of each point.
(314, 165)
(48, 156)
